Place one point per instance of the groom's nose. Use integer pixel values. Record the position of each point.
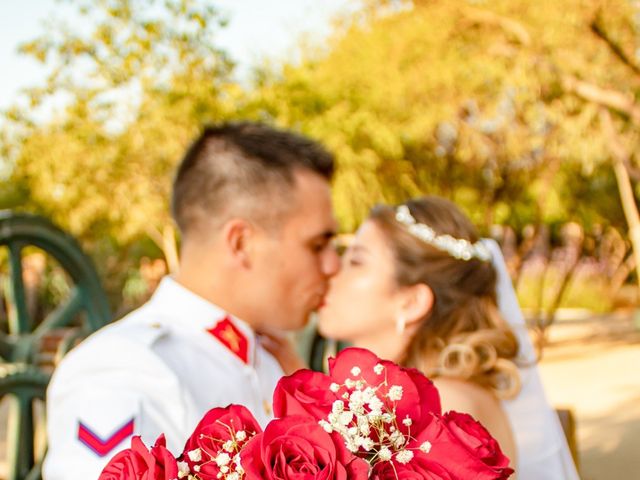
(330, 261)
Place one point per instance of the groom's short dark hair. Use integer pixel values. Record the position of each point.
(244, 169)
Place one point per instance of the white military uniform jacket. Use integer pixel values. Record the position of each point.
(158, 370)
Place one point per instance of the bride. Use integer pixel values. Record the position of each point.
(417, 286)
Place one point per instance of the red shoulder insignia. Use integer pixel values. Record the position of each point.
(232, 338)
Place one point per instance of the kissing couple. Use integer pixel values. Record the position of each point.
(253, 205)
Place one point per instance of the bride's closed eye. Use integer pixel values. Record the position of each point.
(354, 256)
(351, 259)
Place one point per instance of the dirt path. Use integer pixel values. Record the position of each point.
(593, 367)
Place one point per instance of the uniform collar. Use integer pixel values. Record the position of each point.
(189, 311)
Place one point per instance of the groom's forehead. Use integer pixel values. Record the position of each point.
(314, 227)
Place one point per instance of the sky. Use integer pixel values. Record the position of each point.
(257, 28)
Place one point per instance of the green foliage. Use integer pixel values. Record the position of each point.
(469, 100)
(459, 100)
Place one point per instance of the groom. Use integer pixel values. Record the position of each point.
(254, 211)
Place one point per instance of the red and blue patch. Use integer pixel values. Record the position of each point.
(103, 446)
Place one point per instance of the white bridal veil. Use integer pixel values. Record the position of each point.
(542, 448)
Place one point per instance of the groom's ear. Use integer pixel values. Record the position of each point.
(238, 235)
(417, 302)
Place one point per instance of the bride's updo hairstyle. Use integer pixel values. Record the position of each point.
(463, 335)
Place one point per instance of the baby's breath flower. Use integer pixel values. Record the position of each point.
(425, 447)
(367, 444)
(407, 422)
(195, 455)
(334, 387)
(351, 445)
(384, 454)
(374, 416)
(404, 456)
(378, 369)
(363, 425)
(369, 393)
(355, 371)
(183, 469)
(375, 405)
(241, 435)
(395, 393)
(222, 459)
(397, 439)
(356, 402)
(345, 418)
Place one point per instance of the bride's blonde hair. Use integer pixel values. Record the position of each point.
(463, 335)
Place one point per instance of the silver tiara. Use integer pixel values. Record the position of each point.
(456, 247)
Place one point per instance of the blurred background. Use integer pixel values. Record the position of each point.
(524, 113)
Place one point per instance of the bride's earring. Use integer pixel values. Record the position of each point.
(401, 324)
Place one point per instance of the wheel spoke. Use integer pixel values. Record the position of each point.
(62, 315)
(6, 347)
(20, 451)
(35, 473)
(19, 322)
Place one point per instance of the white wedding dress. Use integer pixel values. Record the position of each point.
(543, 453)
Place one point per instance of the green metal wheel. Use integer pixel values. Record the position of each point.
(25, 368)
(23, 386)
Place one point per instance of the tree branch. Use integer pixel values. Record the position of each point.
(606, 97)
(507, 24)
(598, 29)
(611, 99)
(627, 196)
(634, 172)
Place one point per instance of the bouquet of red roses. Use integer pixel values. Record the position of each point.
(367, 419)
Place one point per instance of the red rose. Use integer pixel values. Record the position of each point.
(297, 448)
(138, 463)
(477, 440)
(219, 425)
(462, 447)
(419, 397)
(419, 468)
(303, 393)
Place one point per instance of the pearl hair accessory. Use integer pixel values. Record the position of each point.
(456, 247)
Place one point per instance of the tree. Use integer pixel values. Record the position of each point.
(138, 82)
(464, 101)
